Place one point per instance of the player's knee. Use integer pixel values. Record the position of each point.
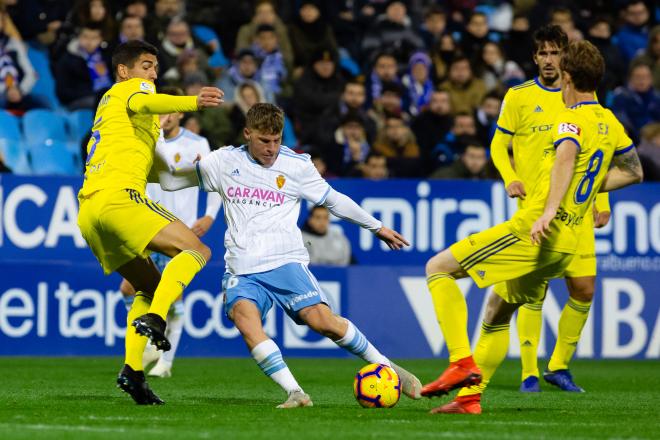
(435, 264)
(582, 293)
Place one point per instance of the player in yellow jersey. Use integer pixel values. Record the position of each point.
(526, 122)
(539, 241)
(120, 224)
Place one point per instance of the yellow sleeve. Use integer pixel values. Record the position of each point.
(160, 104)
(567, 128)
(499, 151)
(507, 122)
(623, 143)
(602, 202)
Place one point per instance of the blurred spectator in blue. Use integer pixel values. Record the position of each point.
(391, 102)
(563, 17)
(418, 83)
(397, 142)
(352, 100)
(317, 89)
(264, 13)
(309, 32)
(39, 19)
(385, 69)
(465, 90)
(649, 152)
(244, 68)
(178, 39)
(450, 148)
(600, 34)
(638, 103)
(485, 117)
(432, 125)
(633, 36)
(17, 76)
(350, 147)
(519, 46)
(433, 27)
(83, 73)
(273, 69)
(327, 245)
(651, 55)
(392, 31)
(496, 71)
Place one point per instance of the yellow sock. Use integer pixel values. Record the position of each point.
(571, 322)
(529, 325)
(177, 275)
(135, 343)
(490, 352)
(451, 311)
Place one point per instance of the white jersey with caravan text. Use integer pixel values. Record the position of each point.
(180, 151)
(262, 205)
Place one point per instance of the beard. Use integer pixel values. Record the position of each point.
(549, 79)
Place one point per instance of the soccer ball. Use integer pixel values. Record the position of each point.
(377, 386)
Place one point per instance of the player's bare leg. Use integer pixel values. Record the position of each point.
(266, 353)
(144, 276)
(322, 320)
(573, 317)
(489, 353)
(442, 270)
(189, 256)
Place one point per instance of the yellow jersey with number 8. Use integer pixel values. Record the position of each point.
(121, 150)
(599, 136)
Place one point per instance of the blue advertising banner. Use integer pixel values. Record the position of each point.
(71, 309)
(39, 219)
(54, 299)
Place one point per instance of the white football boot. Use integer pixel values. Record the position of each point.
(297, 399)
(150, 355)
(410, 385)
(161, 369)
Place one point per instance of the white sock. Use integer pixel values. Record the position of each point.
(173, 332)
(355, 342)
(268, 357)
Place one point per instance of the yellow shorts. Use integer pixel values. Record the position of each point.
(584, 262)
(497, 256)
(118, 224)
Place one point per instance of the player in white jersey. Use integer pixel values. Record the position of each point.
(262, 184)
(177, 147)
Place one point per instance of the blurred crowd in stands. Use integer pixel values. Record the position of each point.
(371, 88)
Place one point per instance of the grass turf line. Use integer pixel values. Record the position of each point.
(58, 398)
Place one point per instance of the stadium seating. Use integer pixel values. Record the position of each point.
(44, 89)
(79, 123)
(53, 158)
(10, 127)
(15, 156)
(41, 125)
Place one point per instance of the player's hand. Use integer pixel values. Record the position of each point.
(394, 240)
(202, 225)
(516, 189)
(541, 227)
(210, 97)
(601, 218)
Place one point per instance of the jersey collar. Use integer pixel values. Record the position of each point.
(181, 131)
(547, 89)
(583, 103)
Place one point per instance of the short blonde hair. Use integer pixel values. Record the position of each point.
(265, 118)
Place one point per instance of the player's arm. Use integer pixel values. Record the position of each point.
(345, 208)
(560, 179)
(203, 224)
(601, 210)
(626, 170)
(160, 104)
(507, 124)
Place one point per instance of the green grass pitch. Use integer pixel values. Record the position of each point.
(58, 398)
